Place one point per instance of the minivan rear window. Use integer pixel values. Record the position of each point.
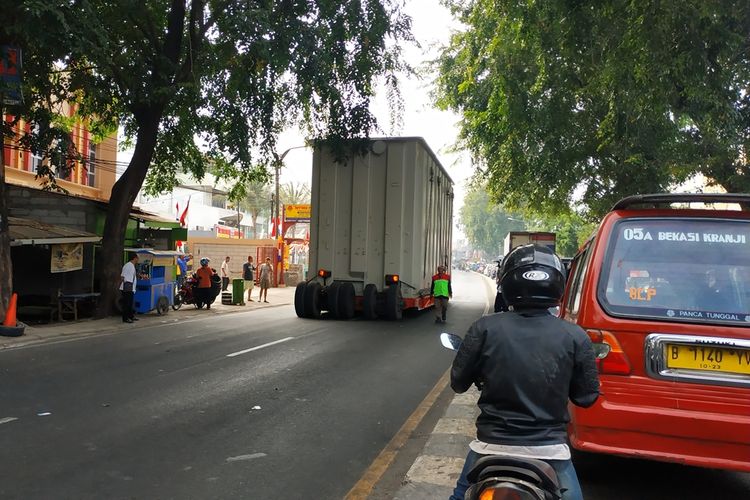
(694, 270)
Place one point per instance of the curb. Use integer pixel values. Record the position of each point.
(436, 470)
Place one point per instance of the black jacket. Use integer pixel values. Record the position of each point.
(529, 364)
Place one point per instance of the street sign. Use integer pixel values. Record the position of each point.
(297, 213)
(10, 75)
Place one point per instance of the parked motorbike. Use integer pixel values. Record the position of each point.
(501, 477)
(188, 292)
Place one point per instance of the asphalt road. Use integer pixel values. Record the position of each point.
(191, 411)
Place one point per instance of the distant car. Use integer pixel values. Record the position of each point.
(664, 294)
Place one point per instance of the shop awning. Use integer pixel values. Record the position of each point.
(33, 232)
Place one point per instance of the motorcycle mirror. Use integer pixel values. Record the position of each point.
(450, 341)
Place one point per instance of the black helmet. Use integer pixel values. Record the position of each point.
(532, 276)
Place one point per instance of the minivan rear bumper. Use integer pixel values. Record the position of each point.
(696, 438)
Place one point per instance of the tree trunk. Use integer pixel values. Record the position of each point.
(6, 266)
(124, 193)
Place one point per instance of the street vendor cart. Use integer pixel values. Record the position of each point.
(155, 289)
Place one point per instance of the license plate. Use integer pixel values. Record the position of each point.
(708, 358)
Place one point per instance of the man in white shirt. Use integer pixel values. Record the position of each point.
(225, 272)
(128, 280)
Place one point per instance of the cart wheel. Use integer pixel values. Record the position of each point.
(162, 305)
(177, 301)
(370, 302)
(333, 293)
(346, 301)
(299, 299)
(393, 307)
(312, 300)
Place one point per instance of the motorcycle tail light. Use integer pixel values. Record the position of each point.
(610, 358)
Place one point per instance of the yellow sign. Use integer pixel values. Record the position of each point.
(66, 257)
(297, 213)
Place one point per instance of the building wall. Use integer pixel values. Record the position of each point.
(52, 208)
(217, 249)
(20, 170)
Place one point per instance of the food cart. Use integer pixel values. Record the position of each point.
(156, 284)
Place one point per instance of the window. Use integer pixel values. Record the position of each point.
(580, 264)
(35, 158)
(694, 270)
(91, 165)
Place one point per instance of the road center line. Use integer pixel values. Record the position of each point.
(259, 347)
(7, 419)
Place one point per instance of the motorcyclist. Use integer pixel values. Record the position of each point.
(528, 364)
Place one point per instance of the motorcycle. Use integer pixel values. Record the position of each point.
(501, 477)
(188, 292)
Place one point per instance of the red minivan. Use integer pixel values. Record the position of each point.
(663, 291)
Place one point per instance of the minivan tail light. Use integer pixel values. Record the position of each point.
(610, 358)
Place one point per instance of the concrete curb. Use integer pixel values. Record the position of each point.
(278, 297)
(436, 470)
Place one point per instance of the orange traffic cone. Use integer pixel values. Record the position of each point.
(10, 313)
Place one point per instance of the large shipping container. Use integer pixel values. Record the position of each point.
(517, 238)
(381, 224)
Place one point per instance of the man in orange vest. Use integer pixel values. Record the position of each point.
(441, 291)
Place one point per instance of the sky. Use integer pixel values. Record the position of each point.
(431, 25)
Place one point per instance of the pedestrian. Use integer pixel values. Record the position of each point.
(248, 274)
(182, 268)
(204, 275)
(225, 272)
(266, 271)
(528, 364)
(128, 280)
(441, 291)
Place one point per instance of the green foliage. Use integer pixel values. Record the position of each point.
(486, 223)
(571, 231)
(294, 193)
(219, 78)
(586, 102)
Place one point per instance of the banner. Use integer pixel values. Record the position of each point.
(10, 75)
(226, 231)
(66, 257)
(297, 213)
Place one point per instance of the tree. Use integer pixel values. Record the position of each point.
(295, 193)
(586, 102)
(257, 200)
(196, 82)
(485, 223)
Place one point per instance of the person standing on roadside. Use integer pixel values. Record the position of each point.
(248, 274)
(266, 271)
(128, 281)
(441, 291)
(204, 275)
(225, 272)
(182, 261)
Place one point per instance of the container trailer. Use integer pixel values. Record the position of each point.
(380, 225)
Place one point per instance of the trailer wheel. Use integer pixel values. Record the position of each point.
(312, 300)
(346, 301)
(393, 307)
(370, 302)
(333, 291)
(299, 299)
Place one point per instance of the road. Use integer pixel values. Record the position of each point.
(190, 411)
(253, 405)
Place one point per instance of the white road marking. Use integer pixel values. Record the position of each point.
(245, 457)
(7, 419)
(259, 347)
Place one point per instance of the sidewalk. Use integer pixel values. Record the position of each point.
(41, 333)
(435, 471)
